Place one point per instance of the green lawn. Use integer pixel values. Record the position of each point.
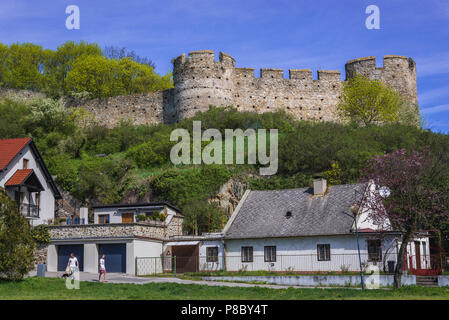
(53, 288)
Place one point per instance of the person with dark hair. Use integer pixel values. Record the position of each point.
(102, 271)
(73, 264)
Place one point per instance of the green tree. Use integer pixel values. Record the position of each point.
(23, 64)
(13, 119)
(57, 64)
(16, 243)
(369, 101)
(95, 74)
(4, 71)
(201, 216)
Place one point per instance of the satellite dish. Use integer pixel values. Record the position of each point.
(384, 192)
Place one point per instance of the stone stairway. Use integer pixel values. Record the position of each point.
(427, 281)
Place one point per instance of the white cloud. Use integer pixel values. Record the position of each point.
(429, 96)
(433, 65)
(435, 109)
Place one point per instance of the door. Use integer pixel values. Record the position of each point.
(128, 217)
(64, 252)
(418, 254)
(115, 256)
(187, 258)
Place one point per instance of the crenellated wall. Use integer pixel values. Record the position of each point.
(201, 81)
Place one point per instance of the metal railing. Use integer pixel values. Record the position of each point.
(307, 263)
(29, 210)
(304, 263)
(155, 265)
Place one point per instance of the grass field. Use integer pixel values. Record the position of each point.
(53, 288)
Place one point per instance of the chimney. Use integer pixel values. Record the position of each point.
(84, 215)
(319, 186)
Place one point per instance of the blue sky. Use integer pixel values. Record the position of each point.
(319, 34)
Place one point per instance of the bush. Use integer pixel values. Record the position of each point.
(40, 234)
(16, 242)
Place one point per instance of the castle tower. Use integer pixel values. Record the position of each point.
(200, 81)
(398, 72)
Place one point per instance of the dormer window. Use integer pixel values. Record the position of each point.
(25, 163)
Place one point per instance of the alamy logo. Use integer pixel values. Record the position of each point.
(73, 281)
(73, 20)
(373, 20)
(234, 144)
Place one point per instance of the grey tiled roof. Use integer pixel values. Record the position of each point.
(263, 214)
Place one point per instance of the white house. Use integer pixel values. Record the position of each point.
(311, 229)
(301, 230)
(117, 233)
(128, 213)
(26, 179)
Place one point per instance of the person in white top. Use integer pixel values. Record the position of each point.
(73, 264)
(102, 269)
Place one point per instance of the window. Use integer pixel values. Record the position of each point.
(269, 254)
(374, 250)
(323, 252)
(103, 219)
(38, 199)
(212, 254)
(128, 217)
(247, 254)
(25, 163)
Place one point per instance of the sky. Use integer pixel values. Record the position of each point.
(318, 34)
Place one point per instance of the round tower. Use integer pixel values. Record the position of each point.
(398, 72)
(200, 81)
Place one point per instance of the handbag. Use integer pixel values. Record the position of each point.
(68, 271)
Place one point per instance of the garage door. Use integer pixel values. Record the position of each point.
(64, 252)
(115, 256)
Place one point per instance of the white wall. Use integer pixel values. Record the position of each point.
(47, 206)
(210, 266)
(115, 214)
(300, 254)
(52, 258)
(141, 249)
(91, 257)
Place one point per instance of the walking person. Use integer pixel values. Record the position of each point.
(102, 269)
(73, 264)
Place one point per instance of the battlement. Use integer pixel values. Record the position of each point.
(329, 75)
(268, 73)
(201, 80)
(203, 58)
(391, 64)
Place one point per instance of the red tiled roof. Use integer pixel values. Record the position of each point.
(9, 148)
(18, 177)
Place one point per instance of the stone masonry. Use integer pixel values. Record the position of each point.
(201, 81)
(151, 230)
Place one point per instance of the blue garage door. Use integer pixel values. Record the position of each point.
(64, 252)
(115, 256)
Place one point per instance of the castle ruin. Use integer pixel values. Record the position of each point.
(200, 81)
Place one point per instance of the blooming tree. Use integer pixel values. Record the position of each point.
(417, 197)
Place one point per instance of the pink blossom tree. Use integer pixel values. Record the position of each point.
(418, 195)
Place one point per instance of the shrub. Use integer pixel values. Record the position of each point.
(16, 242)
(40, 234)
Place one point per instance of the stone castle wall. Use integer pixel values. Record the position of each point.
(201, 81)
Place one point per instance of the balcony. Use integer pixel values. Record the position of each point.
(29, 210)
